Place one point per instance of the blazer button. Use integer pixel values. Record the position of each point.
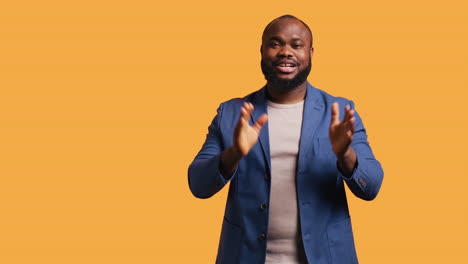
(263, 206)
(267, 177)
(261, 236)
(362, 182)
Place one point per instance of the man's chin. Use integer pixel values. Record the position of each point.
(285, 84)
(285, 77)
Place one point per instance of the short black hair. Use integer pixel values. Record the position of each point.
(293, 17)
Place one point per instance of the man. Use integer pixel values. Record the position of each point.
(286, 201)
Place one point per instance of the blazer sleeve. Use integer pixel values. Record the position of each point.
(367, 177)
(204, 177)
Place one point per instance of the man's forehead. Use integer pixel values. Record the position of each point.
(286, 26)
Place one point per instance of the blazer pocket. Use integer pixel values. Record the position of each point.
(341, 242)
(229, 244)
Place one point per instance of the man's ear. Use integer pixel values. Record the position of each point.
(311, 51)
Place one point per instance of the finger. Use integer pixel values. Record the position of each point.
(249, 107)
(244, 115)
(260, 122)
(346, 109)
(350, 114)
(335, 114)
(347, 113)
(351, 124)
(349, 127)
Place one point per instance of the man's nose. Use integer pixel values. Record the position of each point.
(285, 51)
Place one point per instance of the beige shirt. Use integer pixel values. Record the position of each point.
(284, 244)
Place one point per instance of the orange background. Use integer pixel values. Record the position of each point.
(104, 104)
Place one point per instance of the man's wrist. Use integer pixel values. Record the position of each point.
(345, 155)
(347, 162)
(229, 160)
(235, 153)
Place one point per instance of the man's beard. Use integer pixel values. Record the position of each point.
(285, 84)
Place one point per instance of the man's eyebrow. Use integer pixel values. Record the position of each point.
(297, 39)
(276, 38)
(281, 40)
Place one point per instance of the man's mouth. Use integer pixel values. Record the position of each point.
(285, 67)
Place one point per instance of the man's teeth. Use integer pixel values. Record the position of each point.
(286, 65)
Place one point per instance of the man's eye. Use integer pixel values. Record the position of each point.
(274, 44)
(297, 46)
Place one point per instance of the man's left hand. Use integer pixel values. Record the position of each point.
(341, 133)
(341, 136)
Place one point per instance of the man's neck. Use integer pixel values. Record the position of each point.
(282, 96)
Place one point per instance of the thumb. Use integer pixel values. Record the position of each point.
(260, 122)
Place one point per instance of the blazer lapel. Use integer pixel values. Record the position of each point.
(260, 107)
(313, 113)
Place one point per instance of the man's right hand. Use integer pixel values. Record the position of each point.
(245, 137)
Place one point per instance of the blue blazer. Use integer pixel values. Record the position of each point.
(325, 223)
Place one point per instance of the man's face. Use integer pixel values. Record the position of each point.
(286, 53)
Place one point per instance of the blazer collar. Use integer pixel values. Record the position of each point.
(313, 112)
